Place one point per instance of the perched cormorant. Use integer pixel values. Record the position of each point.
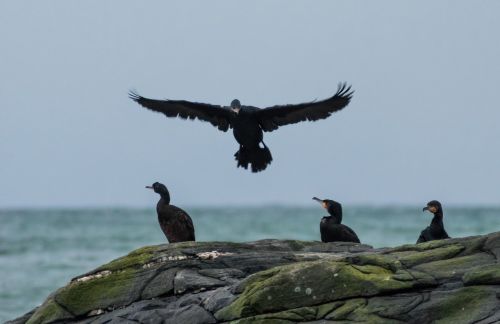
(331, 228)
(436, 230)
(247, 122)
(174, 222)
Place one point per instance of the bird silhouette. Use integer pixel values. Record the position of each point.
(174, 222)
(249, 123)
(436, 230)
(331, 227)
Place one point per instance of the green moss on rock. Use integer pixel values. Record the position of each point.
(455, 267)
(297, 315)
(323, 310)
(263, 320)
(264, 245)
(423, 246)
(387, 261)
(49, 312)
(374, 287)
(390, 306)
(422, 279)
(466, 305)
(117, 289)
(488, 275)
(135, 258)
(429, 255)
(356, 311)
(342, 312)
(310, 283)
(474, 244)
(293, 315)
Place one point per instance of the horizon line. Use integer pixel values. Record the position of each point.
(264, 205)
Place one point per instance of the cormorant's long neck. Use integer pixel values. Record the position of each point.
(165, 196)
(437, 221)
(336, 215)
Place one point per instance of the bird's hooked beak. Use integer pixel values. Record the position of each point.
(149, 187)
(432, 209)
(323, 204)
(236, 110)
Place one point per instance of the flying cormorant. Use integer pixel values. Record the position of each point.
(436, 230)
(174, 222)
(331, 228)
(247, 122)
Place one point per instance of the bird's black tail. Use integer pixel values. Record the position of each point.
(258, 157)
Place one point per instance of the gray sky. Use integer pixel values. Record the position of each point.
(423, 122)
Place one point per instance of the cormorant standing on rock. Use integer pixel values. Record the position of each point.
(249, 123)
(331, 228)
(436, 230)
(174, 222)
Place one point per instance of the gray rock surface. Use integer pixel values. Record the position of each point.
(448, 281)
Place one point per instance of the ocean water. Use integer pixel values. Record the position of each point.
(41, 250)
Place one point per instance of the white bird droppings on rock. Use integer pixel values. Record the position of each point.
(148, 265)
(308, 291)
(297, 289)
(95, 312)
(164, 259)
(98, 275)
(174, 258)
(211, 255)
(269, 297)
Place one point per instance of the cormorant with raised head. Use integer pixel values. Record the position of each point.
(436, 230)
(330, 227)
(247, 122)
(174, 222)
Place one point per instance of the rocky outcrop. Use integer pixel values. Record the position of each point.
(454, 280)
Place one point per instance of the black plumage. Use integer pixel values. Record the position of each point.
(249, 123)
(174, 222)
(436, 230)
(331, 227)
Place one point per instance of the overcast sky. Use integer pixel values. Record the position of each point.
(422, 125)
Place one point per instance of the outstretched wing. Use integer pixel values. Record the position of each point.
(273, 117)
(215, 115)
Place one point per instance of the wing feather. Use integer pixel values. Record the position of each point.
(185, 224)
(218, 116)
(273, 117)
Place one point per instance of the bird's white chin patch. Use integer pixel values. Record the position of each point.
(236, 110)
